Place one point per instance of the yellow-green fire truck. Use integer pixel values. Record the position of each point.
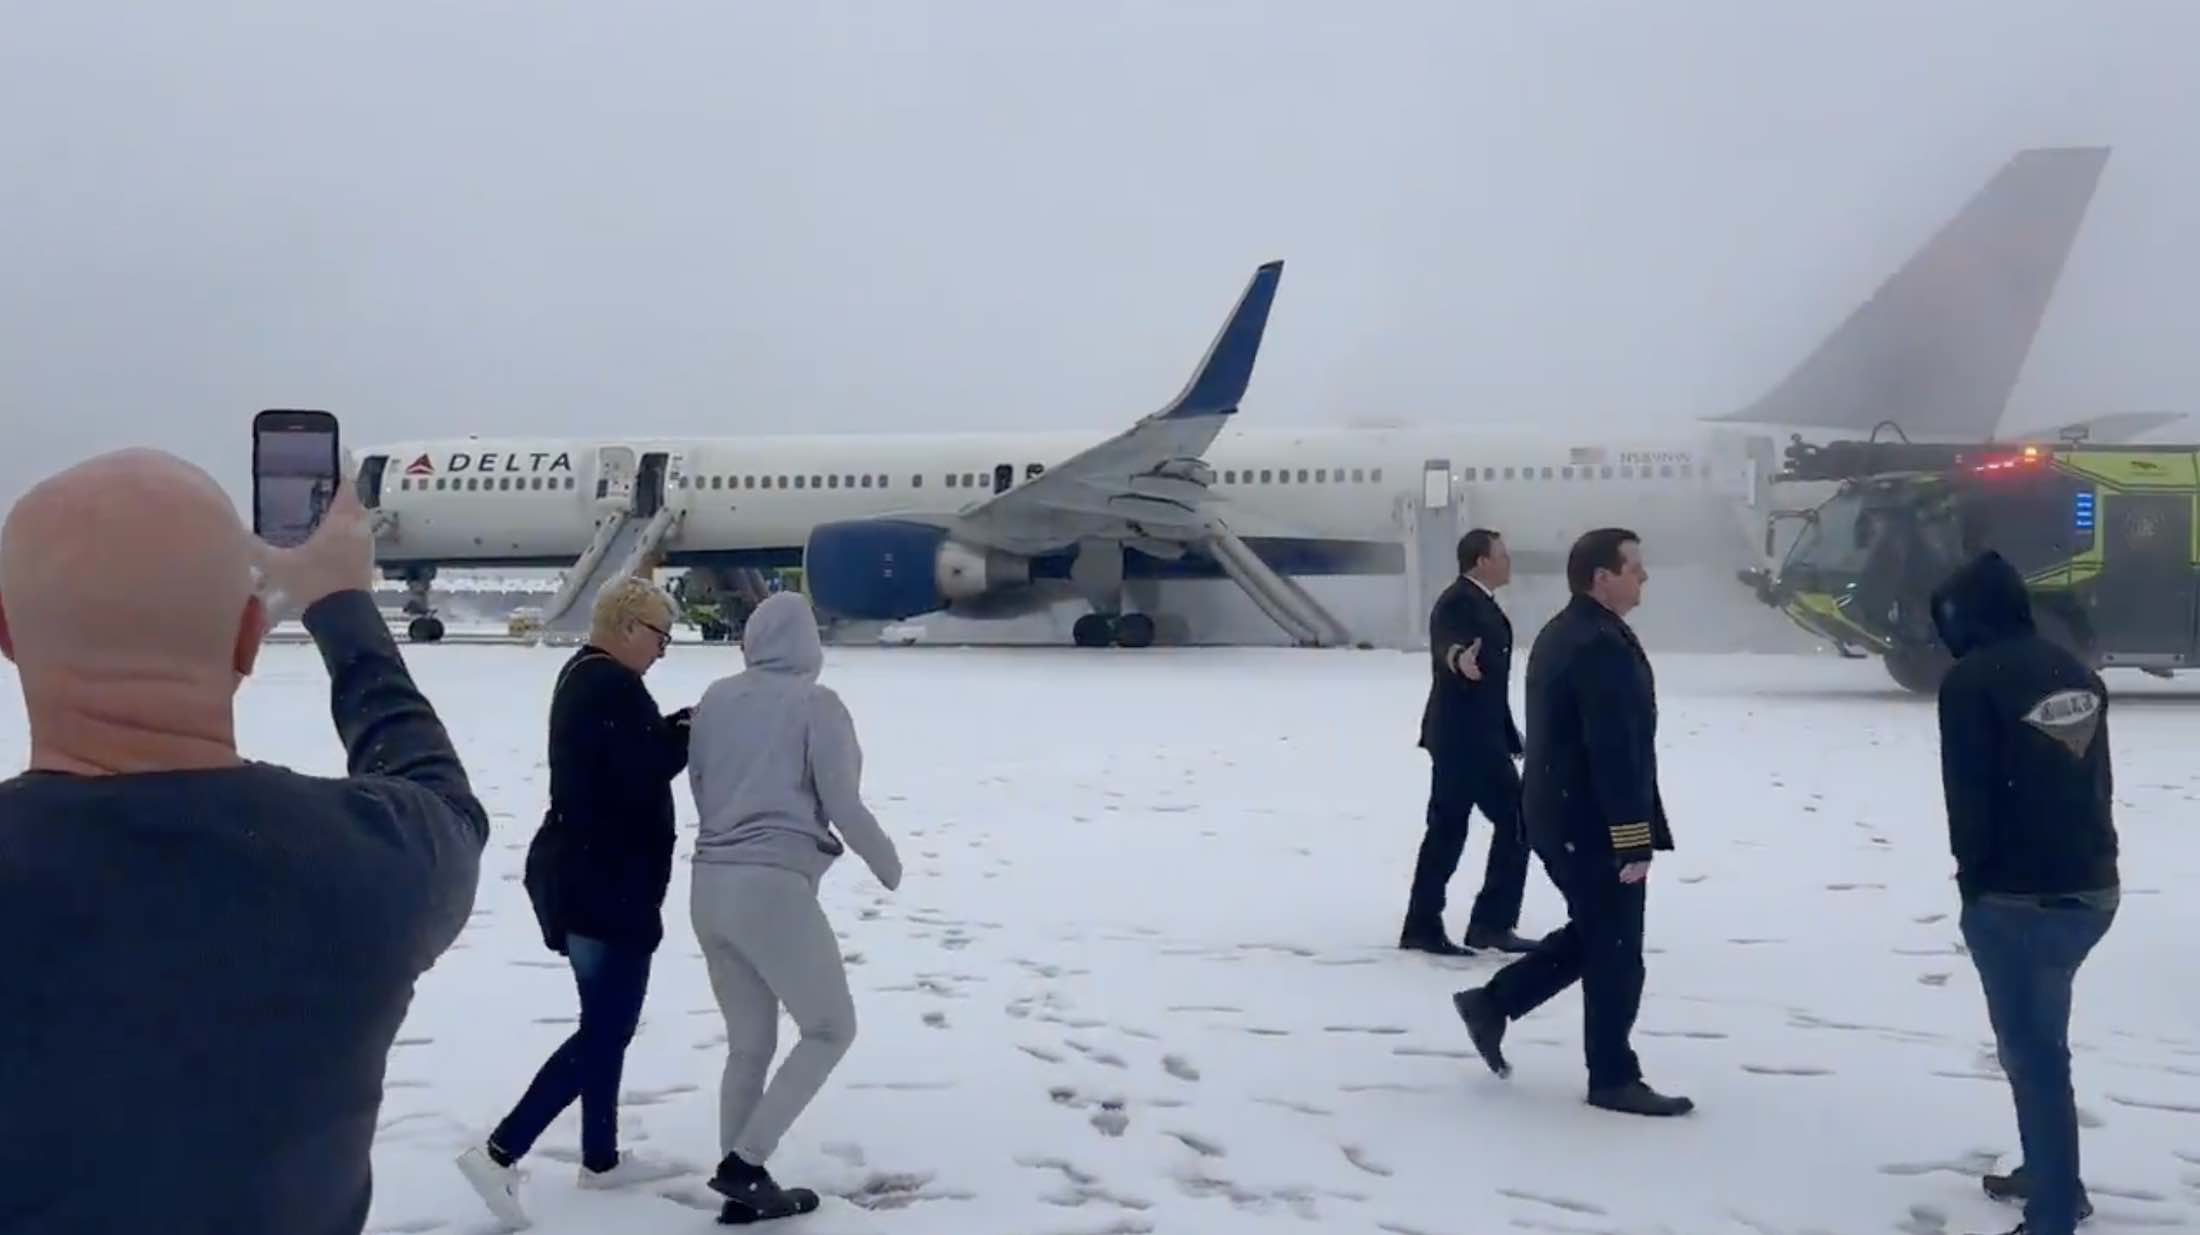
(2105, 537)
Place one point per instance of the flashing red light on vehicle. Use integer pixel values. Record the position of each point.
(2030, 455)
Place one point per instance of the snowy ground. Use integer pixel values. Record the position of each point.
(1140, 975)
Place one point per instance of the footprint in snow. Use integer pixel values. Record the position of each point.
(937, 1020)
(1200, 1145)
(1358, 1158)
(1555, 1202)
(1764, 1069)
(1179, 1067)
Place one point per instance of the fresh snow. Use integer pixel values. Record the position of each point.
(1141, 974)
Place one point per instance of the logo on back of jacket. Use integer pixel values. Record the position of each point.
(2071, 717)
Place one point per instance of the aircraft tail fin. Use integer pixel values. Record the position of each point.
(1939, 346)
(1219, 383)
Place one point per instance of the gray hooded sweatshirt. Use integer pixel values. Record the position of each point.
(773, 759)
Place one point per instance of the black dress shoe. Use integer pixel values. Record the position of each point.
(1432, 943)
(1485, 1026)
(1636, 1098)
(1497, 940)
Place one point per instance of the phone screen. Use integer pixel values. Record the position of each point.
(294, 474)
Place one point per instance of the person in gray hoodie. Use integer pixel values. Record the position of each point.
(775, 768)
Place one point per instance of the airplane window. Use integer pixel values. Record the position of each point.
(917, 481)
(1606, 472)
(1302, 475)
(867, 480)
(1508, 473)
(1666, 471)
(798, 481)
(1359, 475)
(817, 482)
(1321, 476)
(832, 482)
(1032, 471)
(1627, 473)
(1376, 475)
(1687, 469)
(1267, 476)
(1565, 473)
(953, 480)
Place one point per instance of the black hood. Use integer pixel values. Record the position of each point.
(1984, 602)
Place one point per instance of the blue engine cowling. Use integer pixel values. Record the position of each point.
(888, 569)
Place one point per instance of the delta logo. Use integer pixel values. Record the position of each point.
(422, 466)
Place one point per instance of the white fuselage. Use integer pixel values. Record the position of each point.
(503, 502)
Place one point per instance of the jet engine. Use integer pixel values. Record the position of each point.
(887, 570)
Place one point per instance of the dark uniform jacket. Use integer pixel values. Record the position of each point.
(1467, 720)
(2023, 745)
(603, 860)
(1592, 766)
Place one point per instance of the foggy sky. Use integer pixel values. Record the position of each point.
(507, 217)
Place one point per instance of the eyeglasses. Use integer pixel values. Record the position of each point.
(664, 637)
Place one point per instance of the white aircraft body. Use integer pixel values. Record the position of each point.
(893, 527)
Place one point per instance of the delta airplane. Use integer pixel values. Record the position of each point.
(888, 528)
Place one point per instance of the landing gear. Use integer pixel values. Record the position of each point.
(425, 626)
(1098, 630)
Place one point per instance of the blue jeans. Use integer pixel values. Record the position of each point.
(2028, 950)
(612, 982)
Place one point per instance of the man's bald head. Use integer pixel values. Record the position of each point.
(130, 562)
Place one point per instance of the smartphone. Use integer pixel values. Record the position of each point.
(296, 466)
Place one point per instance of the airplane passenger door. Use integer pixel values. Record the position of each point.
(370, 480)
(649, 485)
(615, 474)
(1435, 545)
(1004, 475)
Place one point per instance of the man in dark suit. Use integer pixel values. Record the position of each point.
(1467, 728)
(1595, 817)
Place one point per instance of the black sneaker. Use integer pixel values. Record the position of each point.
(752, 1195)
(2012, 1187)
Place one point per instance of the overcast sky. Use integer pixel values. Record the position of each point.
(577, 218)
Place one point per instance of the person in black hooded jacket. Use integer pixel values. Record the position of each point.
(2025, 769)
(597, 873)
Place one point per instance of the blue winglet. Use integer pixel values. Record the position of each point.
(1220, 381)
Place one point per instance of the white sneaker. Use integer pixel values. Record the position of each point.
(498, 1185)
(633, 1168)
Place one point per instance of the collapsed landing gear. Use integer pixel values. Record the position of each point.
(1098, 630)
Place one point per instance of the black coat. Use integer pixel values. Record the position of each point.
(1470, 721)
(1592, 767)
(2024, 760)
(602, 862)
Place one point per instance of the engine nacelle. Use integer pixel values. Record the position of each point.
(888, 569)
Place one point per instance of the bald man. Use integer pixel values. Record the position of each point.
(205, 959)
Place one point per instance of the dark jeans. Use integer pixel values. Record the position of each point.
(2028, 950)
(612, 982)
(1457, 787)
(1601, 947)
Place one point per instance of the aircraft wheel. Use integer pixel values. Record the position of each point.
(1134, 630)
(425, 630)
(1918, 670)
(1094, 630)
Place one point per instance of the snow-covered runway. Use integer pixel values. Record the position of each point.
(1140, 976)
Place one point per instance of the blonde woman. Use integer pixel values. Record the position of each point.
(597, 874)
(775, 765)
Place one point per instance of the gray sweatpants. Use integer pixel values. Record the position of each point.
(767, 944)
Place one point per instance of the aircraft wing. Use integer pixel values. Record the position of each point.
(1148, 483)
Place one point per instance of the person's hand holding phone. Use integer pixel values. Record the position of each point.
(338, 557)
